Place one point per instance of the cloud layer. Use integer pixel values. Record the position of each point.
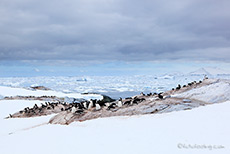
(111, 30)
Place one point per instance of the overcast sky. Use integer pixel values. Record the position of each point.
(92, 32)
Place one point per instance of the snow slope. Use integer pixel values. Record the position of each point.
(10, 91)
(219, 91)
(148, 134)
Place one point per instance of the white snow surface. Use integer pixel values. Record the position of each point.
(145, 134)
(148, 134)
(10, 91)
(219, 91)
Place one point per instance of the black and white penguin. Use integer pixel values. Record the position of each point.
(127, 102)
(160, 96)
(80, 106)
(98, 107)
(73, 109)
(178, 87)
(90, 104)
(101, 103)
(142, 99)
(94, 102)
(120, 103)
(85, 105)
(135, 101)
(43, 106)
(112, 106)
(52, 106)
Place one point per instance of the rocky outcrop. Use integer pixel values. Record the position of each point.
(39, 88)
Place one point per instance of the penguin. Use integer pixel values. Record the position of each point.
(184, 86)
(119, 103)
(160, 96)
(35, 106)
(101, 103)
(142, 94)
(79, 111)
(98, 107)
(90, 104)
(52, 106)
(138, 99)
(112, 106)
(127, 102)
(10, 116)
(94, 102)
(131, 102)
(43, 106)
(135, 101)
(178, 87)
(107, 104)
(142, 99)
(73, 110)
(85, 105)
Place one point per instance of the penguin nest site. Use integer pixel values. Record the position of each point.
(151, 103)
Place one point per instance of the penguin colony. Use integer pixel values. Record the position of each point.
(92, 105)
(184, 86)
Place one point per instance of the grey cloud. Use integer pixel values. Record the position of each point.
(108, 30)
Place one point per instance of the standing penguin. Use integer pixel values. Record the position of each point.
(98, 107)
(85, 105)
(119, 103)
(90, 104)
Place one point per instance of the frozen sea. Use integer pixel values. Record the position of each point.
(113, 86)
